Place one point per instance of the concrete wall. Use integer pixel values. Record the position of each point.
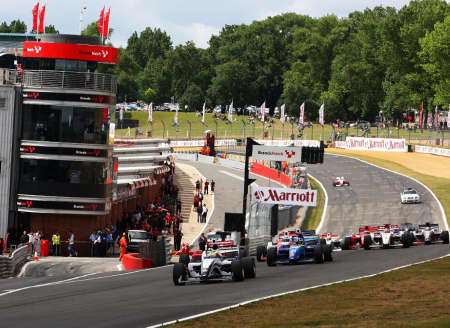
(7, 106)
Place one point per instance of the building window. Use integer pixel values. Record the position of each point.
(65, 124)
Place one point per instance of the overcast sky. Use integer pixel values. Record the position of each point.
(184, 20)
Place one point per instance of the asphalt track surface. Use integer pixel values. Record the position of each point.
(144, 298)
(372, 198)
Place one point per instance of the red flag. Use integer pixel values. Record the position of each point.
(41, 19)
(106, 25)
(421, 116)
(35, 13)
(100, 22)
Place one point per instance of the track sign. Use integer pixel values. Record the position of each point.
(285, 196)
(277, 154)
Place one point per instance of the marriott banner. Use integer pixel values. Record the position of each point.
(285, 196)
(277, 154)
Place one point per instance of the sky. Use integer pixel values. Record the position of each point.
(183, 20)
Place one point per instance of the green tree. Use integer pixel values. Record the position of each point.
(51, 29)
(192, 97)
(15, 26)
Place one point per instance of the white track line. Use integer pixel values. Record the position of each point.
(292, 292)
(232, 175)
(325, 205)
(441, 208)
(78, 279)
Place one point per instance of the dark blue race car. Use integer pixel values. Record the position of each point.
(295, 249)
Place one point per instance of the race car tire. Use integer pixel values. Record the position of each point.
(347, 244)
(248, 263)
(272, 256)
(323, 241)
(179, 272)
(261, 251)
(242, 252)
(445, 237)
(237, 270)
(406, 240)
(319, 257)
(334, 184)
(367, 242)
(328, 253)
(184, 259)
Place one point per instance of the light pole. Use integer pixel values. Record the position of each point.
(292, 129)
(190, 129)
(217, 131)
(164, 128)
(243, 126)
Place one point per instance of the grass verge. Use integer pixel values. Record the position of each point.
(314, 214)
(440, 186)
(411, 297)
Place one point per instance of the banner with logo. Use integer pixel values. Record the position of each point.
(301, 118)
(376, 144)
(277, 154)
(297, 143)
(282, 114)
(285, 196)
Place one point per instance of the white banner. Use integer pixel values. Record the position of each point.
(277, 154)
(340, 144)
(200, 143)
(150, 113)
(203, 112)
(297, 143)
(230, 112)
(282, 114)
(433, 150)
(376, 144)
(322, 114)
(285, 196)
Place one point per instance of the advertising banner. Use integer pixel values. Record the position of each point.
(432, 150)
(285, 196)
(84, 52)
(297, 143)
(277, 154)
(376, 144)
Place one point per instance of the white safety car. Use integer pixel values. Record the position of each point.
(409, 195)
(218, 264)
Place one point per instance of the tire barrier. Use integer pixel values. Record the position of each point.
(133, 261)
(158, 252)
(10, 265)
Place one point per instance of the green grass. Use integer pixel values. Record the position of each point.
(411, 297)
(163, 127)
(314, 214)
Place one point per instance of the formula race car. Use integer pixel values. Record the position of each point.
(214, 264)
(333, 240)
(409, 196)
(351, 242)
(299, 248)
(430, 233)
(385, 236)
(340, 182)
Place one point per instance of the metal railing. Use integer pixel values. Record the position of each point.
(45, 79)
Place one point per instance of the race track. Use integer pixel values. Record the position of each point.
(372, 198)
(144, 298)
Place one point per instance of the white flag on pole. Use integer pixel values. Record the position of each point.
(203, 112)
(282, 115)
(230, 112)
(448, 117)
(322, 115)
(263, 111)
(301, 119)
(175, 119)
(150, 113)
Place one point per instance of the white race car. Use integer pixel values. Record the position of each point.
(430, 233)
(409, 195)
(385, 236)
(340, 182)
(214, 265)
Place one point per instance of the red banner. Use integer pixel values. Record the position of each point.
(41, 27)
(35, 13)
(83, 52)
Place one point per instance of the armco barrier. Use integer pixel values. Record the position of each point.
(432, 150)
(271, 174)
(132, 261)
(230, 163)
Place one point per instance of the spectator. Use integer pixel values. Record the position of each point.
(202, 241)
(200, 197)
(196, 200)
(97, 244)
(56, 244)
(71, 247)
(37, 242)
(213, 185)
(206, 189)
(199, 213)
(204, 213)
(197, 185)
(178, 207)
(24, 238)
(92, 239)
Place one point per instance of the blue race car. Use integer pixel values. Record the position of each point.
(299, 248)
